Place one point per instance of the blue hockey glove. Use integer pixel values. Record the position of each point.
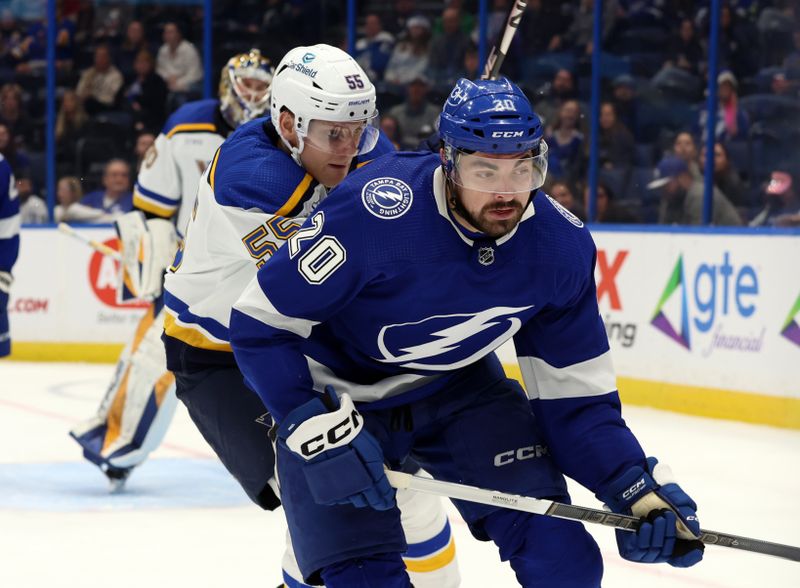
(670, 529)
(343, 463)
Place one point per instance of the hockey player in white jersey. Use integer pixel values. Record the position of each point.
(139, 403)
(263, 182)
(385, 308)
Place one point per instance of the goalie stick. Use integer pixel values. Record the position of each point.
(96, 245)
(550, 508)
(498, 53)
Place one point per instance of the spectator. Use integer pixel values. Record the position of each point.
(108, 25)
(99, 85)
(578, 36)
(178, 62)
(32, 208)
(144, 142)
(608, 209)
(115, 198)
(685, 148)
(782, 207)
(447, 51)
(625, 101)
(685, 51)
(471, 70)
(791, 63)
(18, 161)
(31, 52)
(391, 128)
(562, 193)
(553, 95)
(615, 143)
(374, 49)
(732, 121)
(13, 115)
(134, 43)
(541, 29)
(416, 115)
(726, 176)
(738, 42)
(682, 197)
(410, 56)
(401, 12)
(70, 124)
(69, 207)
(565, 143)
(780, 85)
(146, 96)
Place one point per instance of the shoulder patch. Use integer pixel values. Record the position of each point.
(387, 198)
(565, 213)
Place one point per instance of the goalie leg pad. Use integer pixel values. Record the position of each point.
(135, 412)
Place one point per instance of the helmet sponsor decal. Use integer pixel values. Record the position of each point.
(387, 198)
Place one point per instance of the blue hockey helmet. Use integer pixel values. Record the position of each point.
(489, 116)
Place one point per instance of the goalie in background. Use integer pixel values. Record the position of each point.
(137, 408)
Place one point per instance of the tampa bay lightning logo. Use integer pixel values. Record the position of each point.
(450, 341)
(566, 213)
(387, 197)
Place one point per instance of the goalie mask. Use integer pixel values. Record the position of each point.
(331, 98)
(244, 87)
(484, 122)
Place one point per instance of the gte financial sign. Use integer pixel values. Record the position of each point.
(607, 270)
(706, 305)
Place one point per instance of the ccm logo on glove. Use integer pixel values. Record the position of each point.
(633, 490)
(326, 431)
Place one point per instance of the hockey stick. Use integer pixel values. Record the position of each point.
(498, 54)
(96, 245)
(549, 508)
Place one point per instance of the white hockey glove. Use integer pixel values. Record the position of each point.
(5, 282)
(148, 248)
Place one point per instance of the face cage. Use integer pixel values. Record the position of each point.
(250, 108)
(495, 175)
(322, 140)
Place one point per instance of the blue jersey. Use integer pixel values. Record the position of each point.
(9, 218)
(385, 296)
(249, 201)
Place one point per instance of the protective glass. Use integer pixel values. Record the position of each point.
(344, 138)
(500, 175)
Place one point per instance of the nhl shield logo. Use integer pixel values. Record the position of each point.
(387, 198)
(486, 255)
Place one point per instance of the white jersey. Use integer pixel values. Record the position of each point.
(168, 179)
(251, 199)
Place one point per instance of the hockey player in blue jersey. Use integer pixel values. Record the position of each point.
(370, 338)
(263, 182)
(9, 247)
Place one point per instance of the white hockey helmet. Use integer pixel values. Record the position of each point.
(244, 87)
(324, 87)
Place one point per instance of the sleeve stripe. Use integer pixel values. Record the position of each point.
(9, 227)
(255, 304)
(169, 201)
(213, 171)
(192, 127)
(143, 203)
(296, 196)
(593, 377)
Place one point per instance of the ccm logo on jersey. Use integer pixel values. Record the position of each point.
(521, 454)
(506, 134)
(633, 490)
(326, 431)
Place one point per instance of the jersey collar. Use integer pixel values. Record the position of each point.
(469, 237)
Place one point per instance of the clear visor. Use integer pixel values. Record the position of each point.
(500, 175)
(343, 138)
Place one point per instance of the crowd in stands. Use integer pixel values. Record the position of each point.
(123, 68)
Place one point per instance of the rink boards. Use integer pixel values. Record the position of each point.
(702, 322)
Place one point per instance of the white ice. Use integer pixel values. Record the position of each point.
(183, 522)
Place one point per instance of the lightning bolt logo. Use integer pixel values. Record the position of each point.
(387, 198)
(393, 196)
(463, 336)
